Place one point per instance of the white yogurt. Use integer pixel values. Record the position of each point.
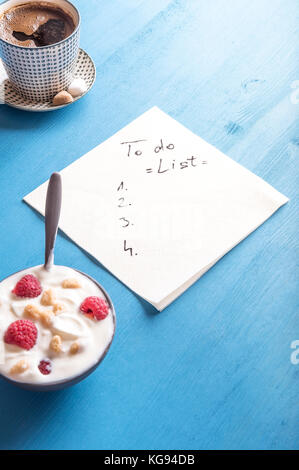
(71, 325)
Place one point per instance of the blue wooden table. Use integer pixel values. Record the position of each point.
(214, 370)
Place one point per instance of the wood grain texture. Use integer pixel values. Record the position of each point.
(213, 370)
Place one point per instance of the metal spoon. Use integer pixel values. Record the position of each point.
(52, 214)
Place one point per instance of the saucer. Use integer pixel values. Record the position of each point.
(85, 68)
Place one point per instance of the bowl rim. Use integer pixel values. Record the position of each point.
(50, 45)
(74, 378)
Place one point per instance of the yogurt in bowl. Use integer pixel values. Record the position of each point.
(55, 327)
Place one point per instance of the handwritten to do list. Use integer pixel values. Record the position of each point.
(163, 163)
(158, 206)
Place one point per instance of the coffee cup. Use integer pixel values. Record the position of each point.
(39, 73)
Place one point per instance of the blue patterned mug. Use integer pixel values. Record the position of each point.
(39, 73)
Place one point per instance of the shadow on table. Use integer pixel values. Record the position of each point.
(23, 413)
(148, 308)
(12, 118)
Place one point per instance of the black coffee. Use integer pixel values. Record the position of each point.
(35, 24)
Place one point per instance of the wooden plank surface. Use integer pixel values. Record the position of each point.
(213, 370)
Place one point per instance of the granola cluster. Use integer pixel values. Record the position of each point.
(45, 313)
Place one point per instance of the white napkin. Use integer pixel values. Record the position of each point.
(158, 206)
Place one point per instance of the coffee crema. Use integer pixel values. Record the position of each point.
(35, 24)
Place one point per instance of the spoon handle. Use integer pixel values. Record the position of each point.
(52, 213)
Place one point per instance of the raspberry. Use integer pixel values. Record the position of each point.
(22, 333)
(28, 286)
(96, 307)
(45, 367)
